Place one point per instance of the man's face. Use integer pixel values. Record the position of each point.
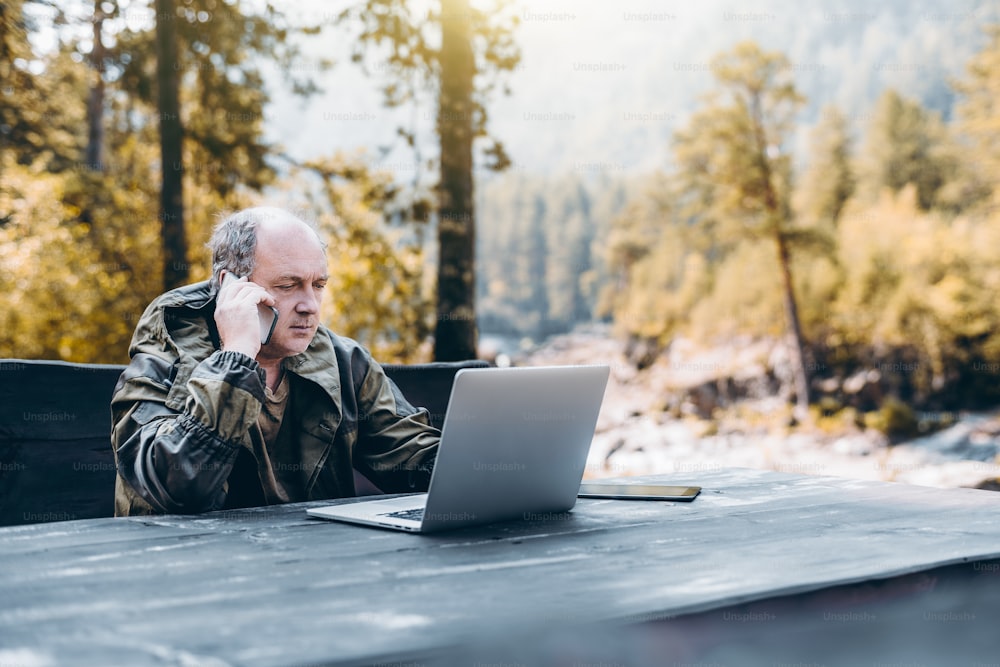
(291, 266)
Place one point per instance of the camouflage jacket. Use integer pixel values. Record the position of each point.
(183, 413)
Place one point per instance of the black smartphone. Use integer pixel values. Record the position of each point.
(638, 491)
(266, 315)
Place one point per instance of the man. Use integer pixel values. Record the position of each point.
(205, 417)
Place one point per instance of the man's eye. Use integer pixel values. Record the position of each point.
(286, 288)
(319, 286)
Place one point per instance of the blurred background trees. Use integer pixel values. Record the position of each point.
(458, 54)
(899, 267)
(878, 228)
(88, 241)
(735, 171)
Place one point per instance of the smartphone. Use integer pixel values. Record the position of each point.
(267, 315)
(638, 491)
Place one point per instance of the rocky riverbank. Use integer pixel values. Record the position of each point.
(694, 409)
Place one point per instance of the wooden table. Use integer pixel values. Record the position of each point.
(271, 586)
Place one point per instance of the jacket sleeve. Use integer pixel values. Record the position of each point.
(396, 444)
(177, 428)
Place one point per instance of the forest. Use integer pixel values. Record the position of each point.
(867, 240)
(890, 239)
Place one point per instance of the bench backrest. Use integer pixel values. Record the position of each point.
(56, 462)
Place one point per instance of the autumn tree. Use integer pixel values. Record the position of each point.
(199, 72)
(18, 82)
(80, 255)
(35, 124)
(920, 296)
(904, 144)
(374, 293)
(829, 179)
(732, 163)
(657, 270)
(978, 127)
(74, 248)
(455, 52)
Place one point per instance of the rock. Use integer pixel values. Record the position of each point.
(647, 423)
(895, 419)
(863, 390)
(702, 400)
(641, 352)
(828, 385)
(989, 485)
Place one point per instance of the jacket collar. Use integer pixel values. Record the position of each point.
(195, 296)
(318, 363)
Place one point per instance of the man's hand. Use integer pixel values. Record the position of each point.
(236, 315)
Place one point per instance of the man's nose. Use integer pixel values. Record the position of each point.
(309, 303)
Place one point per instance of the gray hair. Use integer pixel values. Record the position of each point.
(234, 240)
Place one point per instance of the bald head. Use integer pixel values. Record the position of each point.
(276, 224)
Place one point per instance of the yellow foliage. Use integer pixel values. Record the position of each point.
(377, 293)
(374, 294)
(60, 296)
(920, 281)
(666, 284)
(746, 296)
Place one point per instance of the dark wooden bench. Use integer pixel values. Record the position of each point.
(56, 461)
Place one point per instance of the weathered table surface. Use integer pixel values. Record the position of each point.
(271, 586)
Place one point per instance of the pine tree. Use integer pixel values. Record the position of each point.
(903, 145)
(197, 75)
(737, 176)
(829, 181)
(168, 104)
(978, 125)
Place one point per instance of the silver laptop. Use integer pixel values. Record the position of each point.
(514, 445)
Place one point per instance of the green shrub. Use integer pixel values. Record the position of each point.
(895, 419)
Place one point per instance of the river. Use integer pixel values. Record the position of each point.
(636, 435)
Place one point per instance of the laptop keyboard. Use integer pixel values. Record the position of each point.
(416, 514)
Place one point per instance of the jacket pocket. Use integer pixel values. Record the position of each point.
(147, 411)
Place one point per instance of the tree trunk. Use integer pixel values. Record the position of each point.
(95, 103)
(776, 214)
(93, 158)
(794, 331)
(175, 266)
(456, 333)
